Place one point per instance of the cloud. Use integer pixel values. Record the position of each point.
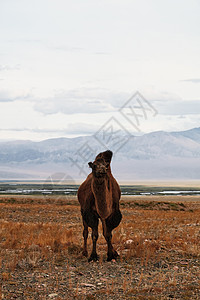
(72, 129)
(82, 129)
(67, 48)
(193, 80)
(102, 53)
(181, 107)
(97, 100)
(78, 101)
(6, 96)
(35, 130)
(24, 40)
(9, 68)
(69, 105)
(170, 104)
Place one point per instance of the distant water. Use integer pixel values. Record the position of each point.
(57, 189)
(38, 191)
(173, 193)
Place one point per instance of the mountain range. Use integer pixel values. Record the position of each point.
(152, 156)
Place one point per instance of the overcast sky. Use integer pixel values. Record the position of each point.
(66, 67)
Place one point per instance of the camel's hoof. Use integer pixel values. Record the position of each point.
(114, 255)
(93, 257)
(85, 253)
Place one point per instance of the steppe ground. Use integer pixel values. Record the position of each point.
(41, 250)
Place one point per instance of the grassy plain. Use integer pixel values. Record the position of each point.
(41, 243)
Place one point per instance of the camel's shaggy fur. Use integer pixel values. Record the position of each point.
(99, 197)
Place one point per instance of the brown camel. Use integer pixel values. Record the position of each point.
(99, 197)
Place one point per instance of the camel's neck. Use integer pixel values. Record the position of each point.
(102, 191)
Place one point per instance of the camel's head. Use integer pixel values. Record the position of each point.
(101, 164)
(106, 155)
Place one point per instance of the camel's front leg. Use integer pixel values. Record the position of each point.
(111, 254)
(95, 235)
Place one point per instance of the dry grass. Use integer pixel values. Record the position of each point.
(158, 241)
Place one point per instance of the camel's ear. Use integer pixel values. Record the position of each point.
(90, 164)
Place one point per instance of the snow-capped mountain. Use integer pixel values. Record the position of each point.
(157, 155)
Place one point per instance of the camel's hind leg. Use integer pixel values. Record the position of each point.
(95, 235)
(85, 236)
